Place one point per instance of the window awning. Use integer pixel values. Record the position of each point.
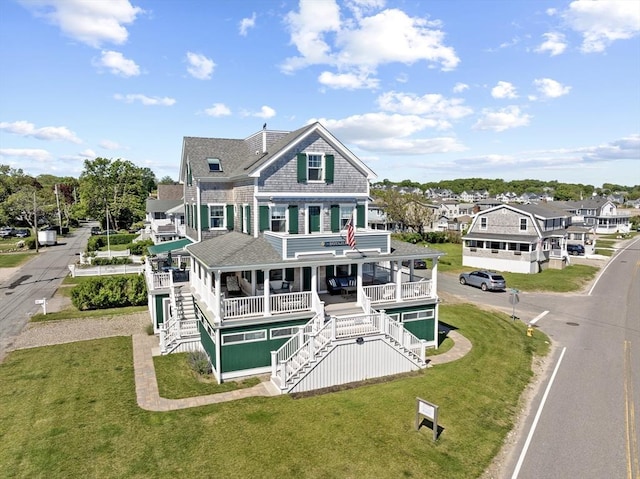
(167, 246)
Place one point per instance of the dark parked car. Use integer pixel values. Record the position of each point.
(485, 280)
(575, 249)
(23, 233)
(417, 263)
(95, 230)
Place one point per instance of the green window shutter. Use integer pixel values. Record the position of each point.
(335, 218)
(330, 271)
(302, 168)
(189, 176)
(229, 217)
(204, 217)
(360, 216)
(247, 215)
(328, 165)
(188, 211)
(264, 218)
(260, 276)
(293, 219)
(195, 217)
(288, 274)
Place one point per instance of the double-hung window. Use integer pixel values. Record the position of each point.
(346, 213)
(523, 224)
(483, 223)
(279, 218)
(216, 216)
(314, 167)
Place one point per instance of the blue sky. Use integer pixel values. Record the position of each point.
(419, 90)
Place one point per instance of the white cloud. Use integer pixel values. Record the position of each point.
(118, 64)
(348, 81)
(247, 23)
(200, 67)
(33, 154)
(218, 109)
(554, 43)
(24, 128)
(627, 148)
(504, 89)
(265, 112)
(145, 100)
(501, 120)
(92, 23)
(549, 88)
(430, 105)
(460, 87)
(603, 22)
(359, 44)
(385, 133)
(109, 145)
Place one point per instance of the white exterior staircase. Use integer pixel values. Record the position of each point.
(179, 333)
(299, 356)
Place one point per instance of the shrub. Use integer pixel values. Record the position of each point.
(199, 362)
(110, 292)
(96, 242)
(140, 248)
(109, 261)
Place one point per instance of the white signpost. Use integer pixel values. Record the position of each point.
(43, 302)
(428, 410)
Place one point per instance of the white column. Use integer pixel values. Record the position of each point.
(398, 274)
(359, 290)
(217, 305)
(434, 278)
(266, 293)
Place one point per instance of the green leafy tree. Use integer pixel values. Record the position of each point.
(114, 191)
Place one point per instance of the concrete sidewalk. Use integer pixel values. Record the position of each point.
(147, 386)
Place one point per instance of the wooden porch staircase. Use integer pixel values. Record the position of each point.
(180, 332)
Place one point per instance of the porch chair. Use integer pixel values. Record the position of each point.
(232, 285)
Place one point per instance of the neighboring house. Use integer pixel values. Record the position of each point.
(517, 238)
(598, 213)
(377, 218)
(278, 221)
(165, 220)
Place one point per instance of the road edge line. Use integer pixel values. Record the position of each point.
(538, 414)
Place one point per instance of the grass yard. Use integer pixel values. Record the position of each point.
(571, 278)
(70, 411)
(12, 260)
(74, 313)
(177, 380)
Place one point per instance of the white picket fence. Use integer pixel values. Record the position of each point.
(106, 270)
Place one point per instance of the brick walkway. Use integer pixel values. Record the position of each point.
(147, 386)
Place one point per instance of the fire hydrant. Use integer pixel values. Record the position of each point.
(530, 331)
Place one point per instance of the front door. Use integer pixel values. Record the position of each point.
(314, 219)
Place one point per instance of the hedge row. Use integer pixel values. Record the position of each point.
(97, 242)
(110, 292)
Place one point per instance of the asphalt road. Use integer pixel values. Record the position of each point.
(584, 420)
(36, 280)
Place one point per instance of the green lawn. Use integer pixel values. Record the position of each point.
(11, 260)
(70, 411)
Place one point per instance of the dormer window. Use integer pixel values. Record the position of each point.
(214, 164)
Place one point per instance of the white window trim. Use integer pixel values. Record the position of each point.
(262, 331)
(294, 331)
(323, 168)
(486, 225)
(272, 206)
(420, 315)
(224, 216)
(526, 224)
(347, 206)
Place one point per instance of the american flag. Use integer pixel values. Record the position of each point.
(351, 234)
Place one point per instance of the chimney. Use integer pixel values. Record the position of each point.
(264, 138)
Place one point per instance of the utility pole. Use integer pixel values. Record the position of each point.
(59, 214)
(35, 220)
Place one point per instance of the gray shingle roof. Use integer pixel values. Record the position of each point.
(161, 206)
(237, 157)
(233, 251)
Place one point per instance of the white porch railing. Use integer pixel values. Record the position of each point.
(106, 270)
(384, 293)
(254, 305)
